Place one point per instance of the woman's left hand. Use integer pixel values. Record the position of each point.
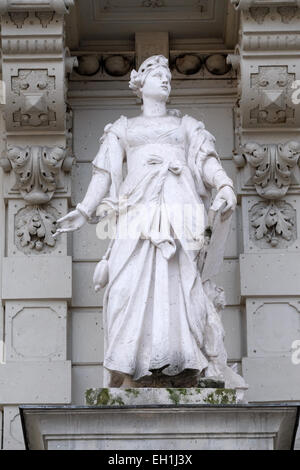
(225, 194)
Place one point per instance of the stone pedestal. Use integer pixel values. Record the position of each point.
(160, 427)
(160, 396)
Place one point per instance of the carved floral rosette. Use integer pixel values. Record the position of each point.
(34, 229)
(273, 224)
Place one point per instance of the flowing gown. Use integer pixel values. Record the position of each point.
(157, 312)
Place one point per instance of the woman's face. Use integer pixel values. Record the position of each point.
(157, 84)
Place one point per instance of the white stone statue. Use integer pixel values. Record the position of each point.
(161, 318)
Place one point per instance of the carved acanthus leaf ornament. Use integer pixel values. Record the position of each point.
(37, 171)
(273, 221)
(272, 164)
(35, 227)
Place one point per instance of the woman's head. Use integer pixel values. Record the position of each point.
(153, 79)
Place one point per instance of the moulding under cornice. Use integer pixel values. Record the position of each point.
(59, 6)
(98, 98)
(185, 45)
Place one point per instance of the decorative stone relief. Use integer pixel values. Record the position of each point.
(117, 65)
(45, 17)
(38, 171)
(217, 64)
(103, 67)
(273, 224)
(272, 86)
(152, 3)
(18, 18)
(267, 69)
(88, 65)
(273, 164)
(34, 229)
(24, 17)
(34, 90)
(34, 66)
(259, 14)
(34, 29)
(188, 64)
(150, 10)
(287, 13)
(265, 322)
(264, 42)
(199, 66)
(46, 321)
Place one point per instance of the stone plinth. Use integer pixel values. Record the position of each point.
(160, 427)
(160, 396)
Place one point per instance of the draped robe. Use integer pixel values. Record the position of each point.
(158, 314)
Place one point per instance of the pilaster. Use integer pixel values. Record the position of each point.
(267, 155)
(36, 164)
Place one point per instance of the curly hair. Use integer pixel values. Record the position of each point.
(137, 78)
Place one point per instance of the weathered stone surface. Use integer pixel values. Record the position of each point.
(267, 334)
(237, 427)
(83, 375)
(87, 336)
(37, 278)
(211, 383)
(30, 328)
(13, 438)
(272, 268)
(160, 396)
(35, 382)
(281, 384)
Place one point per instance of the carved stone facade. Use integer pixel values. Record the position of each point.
(274, 224)
(273, 167)
(46, 87)
(184, 66)
(34, 228)
(37, 159)
(267, 157)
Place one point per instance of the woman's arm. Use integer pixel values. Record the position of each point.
(97, 189)
(215, 176)
(109, 156)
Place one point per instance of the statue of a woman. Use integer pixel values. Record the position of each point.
(161, 321)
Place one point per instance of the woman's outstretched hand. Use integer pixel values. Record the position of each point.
(70, 222)
(226, 194)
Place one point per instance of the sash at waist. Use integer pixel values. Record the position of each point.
(140, 154)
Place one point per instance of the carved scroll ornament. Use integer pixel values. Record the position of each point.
(37, 170)
(272, 164)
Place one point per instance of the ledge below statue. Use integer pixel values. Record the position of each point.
(160, 427)
(160, 396)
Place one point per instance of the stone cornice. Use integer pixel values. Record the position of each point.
(59, 6)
